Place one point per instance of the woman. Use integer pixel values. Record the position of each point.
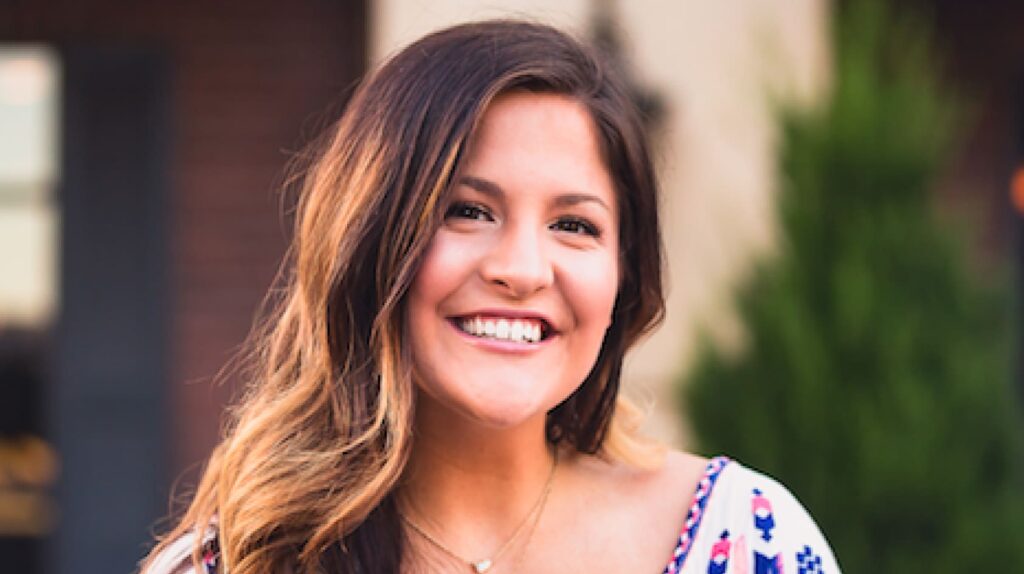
(476, 248)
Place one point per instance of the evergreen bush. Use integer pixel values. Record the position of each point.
(874, 379)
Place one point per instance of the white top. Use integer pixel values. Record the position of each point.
(743, 522)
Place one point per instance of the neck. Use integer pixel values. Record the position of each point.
(472, 485)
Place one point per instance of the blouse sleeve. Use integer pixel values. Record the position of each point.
(772, 532)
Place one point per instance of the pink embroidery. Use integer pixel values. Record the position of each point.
(741, 561)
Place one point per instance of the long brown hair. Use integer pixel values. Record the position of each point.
(305, 475)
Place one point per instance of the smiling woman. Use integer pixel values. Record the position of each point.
(477, 247)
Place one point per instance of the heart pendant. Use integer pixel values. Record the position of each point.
(482, 566)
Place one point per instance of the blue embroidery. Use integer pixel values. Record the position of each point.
(807, 562)
(767, 565)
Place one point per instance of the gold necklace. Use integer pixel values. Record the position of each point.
(484, 564)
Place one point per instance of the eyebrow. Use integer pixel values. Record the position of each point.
(492, 189)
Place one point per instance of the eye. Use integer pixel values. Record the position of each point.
(576, 226)
(467, 210)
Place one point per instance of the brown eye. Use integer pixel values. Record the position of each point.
(576, 226)
(465, 210)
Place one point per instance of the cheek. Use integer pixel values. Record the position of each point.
(591, 286)
(444, 267)
(426, 294)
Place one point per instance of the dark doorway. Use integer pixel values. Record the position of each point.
(107, 400)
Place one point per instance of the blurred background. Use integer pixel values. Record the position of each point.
(843, 188)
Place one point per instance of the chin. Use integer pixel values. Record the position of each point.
(496, 411)
(507, 419)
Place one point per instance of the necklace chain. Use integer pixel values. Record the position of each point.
(485, 564)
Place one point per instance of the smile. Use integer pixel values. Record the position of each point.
(517, 330)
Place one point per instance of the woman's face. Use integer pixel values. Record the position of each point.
(509, 309)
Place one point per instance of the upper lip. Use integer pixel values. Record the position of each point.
(549, 325)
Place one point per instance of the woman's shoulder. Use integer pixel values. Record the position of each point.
(657, 489)
(741, 515)
(176, 556)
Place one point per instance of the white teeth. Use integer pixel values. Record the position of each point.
(517, 330)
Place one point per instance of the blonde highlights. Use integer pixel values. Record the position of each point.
(303, 480)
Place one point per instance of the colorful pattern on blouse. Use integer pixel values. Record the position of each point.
(696, 512)
(754, 541)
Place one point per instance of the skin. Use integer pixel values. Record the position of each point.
(532, 230)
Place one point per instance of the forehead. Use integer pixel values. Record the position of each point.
(539, 113)
(543, 141)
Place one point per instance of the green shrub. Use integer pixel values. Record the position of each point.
(875, 375)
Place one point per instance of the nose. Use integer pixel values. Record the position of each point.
(518, 264)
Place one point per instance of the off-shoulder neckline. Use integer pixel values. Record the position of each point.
(695, 514)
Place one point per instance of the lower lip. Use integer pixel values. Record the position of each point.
(512, 347)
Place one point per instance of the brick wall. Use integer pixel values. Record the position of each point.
(251, 82)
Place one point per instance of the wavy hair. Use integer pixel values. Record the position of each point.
(303, 480)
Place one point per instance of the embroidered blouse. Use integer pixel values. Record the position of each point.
(739, 522)
(743, 522)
